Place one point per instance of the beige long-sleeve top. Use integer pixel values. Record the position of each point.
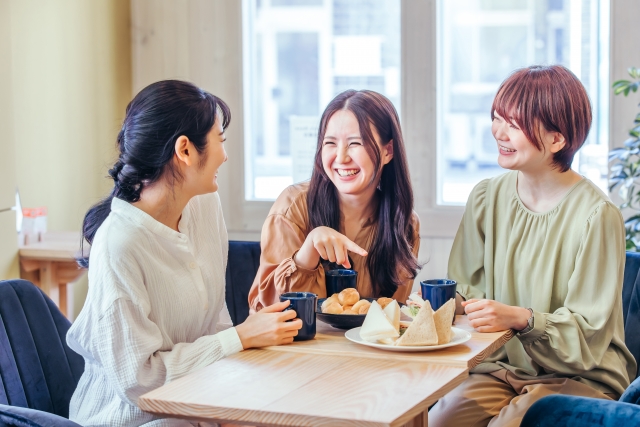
(151, 314)
(566, 264)
(283, 234)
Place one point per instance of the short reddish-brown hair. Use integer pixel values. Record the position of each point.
(551, 96)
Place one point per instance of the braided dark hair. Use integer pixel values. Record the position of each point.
(155, 118)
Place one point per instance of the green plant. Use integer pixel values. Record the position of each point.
(625, 166)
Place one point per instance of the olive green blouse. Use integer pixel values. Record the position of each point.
(566, 264)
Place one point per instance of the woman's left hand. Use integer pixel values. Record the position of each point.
(487, 315)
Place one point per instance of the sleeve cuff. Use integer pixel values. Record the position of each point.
(230, 342)
(539, 327)
(296, 267)
(468, 292)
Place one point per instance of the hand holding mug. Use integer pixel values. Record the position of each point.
(269, 326)
(327, 243)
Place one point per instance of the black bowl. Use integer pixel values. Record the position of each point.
(341, 321)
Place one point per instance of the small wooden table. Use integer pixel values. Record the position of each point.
(328, 381)
(51, 265)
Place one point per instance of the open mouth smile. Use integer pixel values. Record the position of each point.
(506, 150)
(347, 172)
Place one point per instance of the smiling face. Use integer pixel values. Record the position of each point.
(202, 171)
(345, 159)
(214, 156)
(199, 170)
(516, 152)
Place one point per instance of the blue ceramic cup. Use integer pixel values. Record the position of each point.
(304, 304)
(339, 280)
(438, 291)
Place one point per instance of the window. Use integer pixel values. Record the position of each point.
(299, 54)
(479, 43)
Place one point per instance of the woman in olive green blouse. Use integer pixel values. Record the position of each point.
(540, 250)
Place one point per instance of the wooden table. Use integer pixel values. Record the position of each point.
(328, 381)
(51, 265)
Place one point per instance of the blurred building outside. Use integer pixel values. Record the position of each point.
(299, 54)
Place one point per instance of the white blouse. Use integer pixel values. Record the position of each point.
(152, 311)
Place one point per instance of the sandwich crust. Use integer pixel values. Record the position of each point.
(422, 331)
(442, 319)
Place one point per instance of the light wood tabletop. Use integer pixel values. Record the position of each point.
(55, 246)
(330, 340)
(270, 388)
(51, 265)
(328, 381)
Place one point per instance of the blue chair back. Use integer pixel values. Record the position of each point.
(631, 303)
(242, 266)
(37, 368)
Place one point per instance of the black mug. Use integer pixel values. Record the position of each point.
(438, 291)
(304, 304)
(338, 280)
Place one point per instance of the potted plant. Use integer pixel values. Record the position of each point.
(625, 166)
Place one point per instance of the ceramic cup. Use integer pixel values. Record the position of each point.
(438, 291)
(338, 280)
(304, 304)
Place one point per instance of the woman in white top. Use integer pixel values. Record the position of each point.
(157, 263)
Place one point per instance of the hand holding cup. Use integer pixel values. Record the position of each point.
(269, 326)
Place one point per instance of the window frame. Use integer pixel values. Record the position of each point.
(418, 72)
(162, 48)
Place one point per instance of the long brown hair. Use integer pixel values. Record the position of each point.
(390, 260)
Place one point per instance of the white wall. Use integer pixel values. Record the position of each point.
(8, 238)
(65, 79)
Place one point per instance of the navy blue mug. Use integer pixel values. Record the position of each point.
(338, 280)
(438, 291)
(304, 304)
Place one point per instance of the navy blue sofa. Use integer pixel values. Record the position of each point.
(38, 372)
(242, 266)
(571, 411)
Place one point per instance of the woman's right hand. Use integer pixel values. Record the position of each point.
(269, 326)
(327, 243)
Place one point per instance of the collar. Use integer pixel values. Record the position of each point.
(139, 217)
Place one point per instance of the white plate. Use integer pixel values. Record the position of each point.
(459, 336)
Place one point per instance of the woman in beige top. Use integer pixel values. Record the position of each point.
(356, 212)
(540, 250)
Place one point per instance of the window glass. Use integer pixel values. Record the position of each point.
(480, 42)
(299, 54)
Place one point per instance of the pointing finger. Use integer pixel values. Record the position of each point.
(356, 249)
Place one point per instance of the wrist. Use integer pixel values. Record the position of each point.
(307, 258)
(244, 339)
(523, 318)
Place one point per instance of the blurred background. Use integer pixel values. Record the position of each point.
(68, 68)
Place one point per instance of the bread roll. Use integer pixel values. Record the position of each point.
(349, 296)
(333, 298)
(361, 307)
(364, 309)
(383, 301)
(347, 307)
(333, 308)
